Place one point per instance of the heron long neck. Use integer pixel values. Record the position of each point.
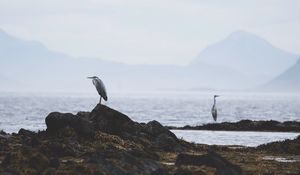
(214, 101)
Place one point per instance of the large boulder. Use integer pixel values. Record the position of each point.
(111, 121)
(155, 129)
(56, 121)
(166, 143)
(163, 138)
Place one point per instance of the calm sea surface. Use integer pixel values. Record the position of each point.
(244, 138)
(170, 108)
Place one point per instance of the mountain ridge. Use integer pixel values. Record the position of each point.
(39, 68)
(288, 80)
(249, 54)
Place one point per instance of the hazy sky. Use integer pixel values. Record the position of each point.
(148, 31)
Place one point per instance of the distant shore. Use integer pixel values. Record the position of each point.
(246, 125)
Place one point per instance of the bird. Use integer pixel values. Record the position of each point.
(100, 87)
(214, 111)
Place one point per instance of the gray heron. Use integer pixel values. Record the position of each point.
(100, 87)
(214, 111)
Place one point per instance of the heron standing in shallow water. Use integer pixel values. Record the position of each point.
(214, 111)
(100, 87)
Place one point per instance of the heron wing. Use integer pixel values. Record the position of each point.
(100, 88)
(214, 113)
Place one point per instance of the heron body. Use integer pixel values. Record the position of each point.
(100, 87)
(214, 111)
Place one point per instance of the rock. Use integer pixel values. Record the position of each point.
(54, 162)
(105, 119)
(7, 160)
(4, 136)
(26, 132)
(180, 171)
(247, 125)
(49, 171)
(124, 163)
(154, 128)
(111, 121)
(285, 147)
(84, 115)
(167, 143)
(11, 172)
(2, 132)
(159, 171)
(56, 121)
(30, 138)
(38, 162)
(223, 166)
(58, 149)
(162, 137)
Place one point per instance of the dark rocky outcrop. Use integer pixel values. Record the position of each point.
(3, 134)
(247, 125)
(111, 121)
(285, 147)
(154, 128)
(103, 141)
(56, 121)
(105, 119)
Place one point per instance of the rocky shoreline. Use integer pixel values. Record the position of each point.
(247, 125)
(105, 141)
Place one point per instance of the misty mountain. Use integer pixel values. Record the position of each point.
(30, 66)
(287, 81)
(248, 54)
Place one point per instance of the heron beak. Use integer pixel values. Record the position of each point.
(90, 77)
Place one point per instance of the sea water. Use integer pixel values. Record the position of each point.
(244, 138)
(20, 110)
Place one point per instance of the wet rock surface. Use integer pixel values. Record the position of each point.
(105, 141)
(247, 125)
(285, 147)
(212, 159)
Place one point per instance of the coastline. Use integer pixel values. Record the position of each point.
(105, 141)
(246, 125)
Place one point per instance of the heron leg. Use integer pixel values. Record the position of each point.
(100, 99)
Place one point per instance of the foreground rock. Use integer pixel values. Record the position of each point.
(283, 147)
(107, 120)
(223, 166)
(247, 125)
(105, 141)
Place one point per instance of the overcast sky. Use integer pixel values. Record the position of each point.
(148, 31)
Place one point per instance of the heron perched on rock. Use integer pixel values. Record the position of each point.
(214, 111)
(100, 87)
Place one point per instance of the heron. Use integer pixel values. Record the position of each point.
(100, 87)
(214, 111)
